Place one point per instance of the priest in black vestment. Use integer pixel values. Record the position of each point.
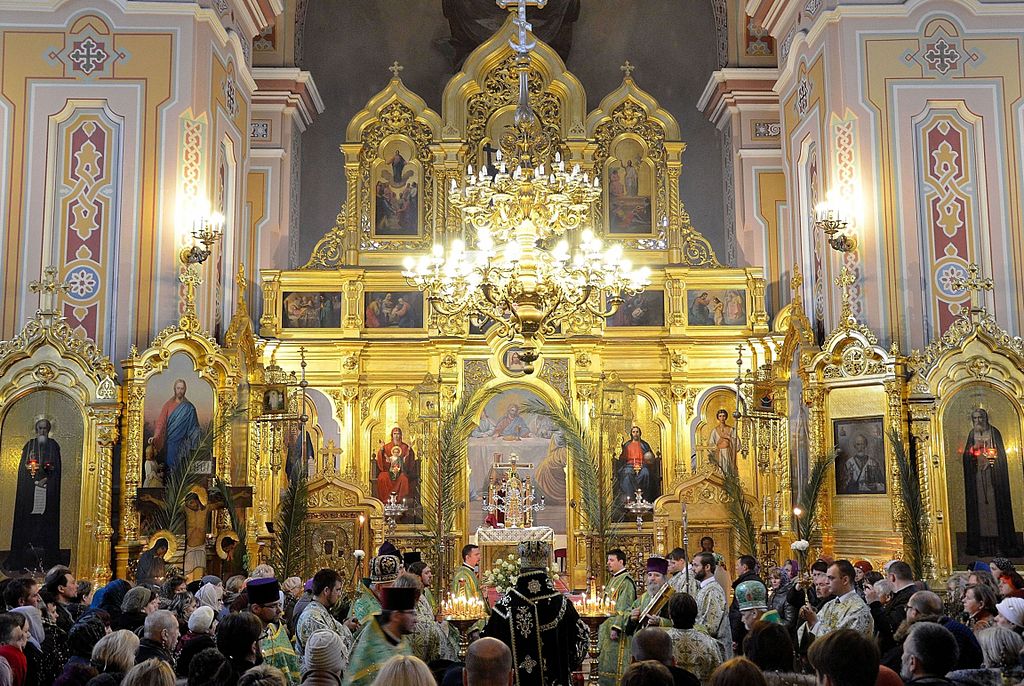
(35, 538)
(541, 626)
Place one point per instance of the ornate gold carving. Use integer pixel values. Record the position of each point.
(475, 374)
(583, 359)
(678, 361)
(500, 88)
(329, 251)
(398, 119)
(556, 373)
(449, 361)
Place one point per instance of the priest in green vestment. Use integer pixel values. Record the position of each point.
(384, 636)
(465, 579)
(384, 569)
(614, 653)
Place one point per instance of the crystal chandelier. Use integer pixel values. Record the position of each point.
(534, 262)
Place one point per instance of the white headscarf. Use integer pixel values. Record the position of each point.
(211, 596)
(36, 634)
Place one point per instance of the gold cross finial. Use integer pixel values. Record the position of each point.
(190, 278)
(50, 290)
(395, 68)
(846, 279)
(974, 284)
(627, 69)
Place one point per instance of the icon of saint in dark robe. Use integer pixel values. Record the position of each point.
(990, 529)
(35, 538)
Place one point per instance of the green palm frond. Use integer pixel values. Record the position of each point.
(598, 504)
(289, 553)
(170, 514)
(811, 492)
(442, 485)
(239, 527)
(740, 515)
(912, 520)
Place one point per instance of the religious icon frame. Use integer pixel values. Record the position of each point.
(842, 428)
(47, 354)
(214, 365)
(978, 357)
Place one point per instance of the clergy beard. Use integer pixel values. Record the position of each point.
(41, 440)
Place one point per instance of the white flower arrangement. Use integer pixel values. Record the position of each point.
(800, 546)
(502, 576)
(358, 554)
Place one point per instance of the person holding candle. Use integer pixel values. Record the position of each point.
(539, 624)
(614, 654)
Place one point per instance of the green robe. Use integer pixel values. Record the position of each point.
(373, 648)
(278, 652)
(364, 606)
(615, 655)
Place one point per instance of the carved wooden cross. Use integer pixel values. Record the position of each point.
(50, 290)
(974, 284)
(627, 69)
(795, 283)
(395, 68)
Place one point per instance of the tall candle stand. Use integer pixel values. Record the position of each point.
(594, 611)
(462, 612)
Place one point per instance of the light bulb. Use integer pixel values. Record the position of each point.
(409, 262)
(438, 250)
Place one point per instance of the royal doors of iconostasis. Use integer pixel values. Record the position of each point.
(59, 413)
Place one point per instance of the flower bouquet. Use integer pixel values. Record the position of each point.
(502, 576)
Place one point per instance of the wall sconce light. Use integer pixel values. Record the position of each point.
(206, 230)
(831, 219)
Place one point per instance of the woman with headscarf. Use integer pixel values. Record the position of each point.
(109, 598)
(182, 605)
(33, 648)
(779, 586)
(137, 604)
(212, 597)
(202, 625)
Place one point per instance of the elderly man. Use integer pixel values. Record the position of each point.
(929, 653)
(384, 636)
(159, 637)
(384, 569)
(846, 611)
(645, 610)
(751, 598)
(711, 604)
(538, 623)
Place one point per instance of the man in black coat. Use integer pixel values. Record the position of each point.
(746, 570)
(160, 636)
(895, 611)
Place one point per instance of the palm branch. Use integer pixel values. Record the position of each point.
(912, 519)
(170, 513)
(598, 504)
(239, 527)
(442, 484)
(811, 492)
(289, 553)
(740, 516)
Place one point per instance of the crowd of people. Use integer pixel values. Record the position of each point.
(838, 624)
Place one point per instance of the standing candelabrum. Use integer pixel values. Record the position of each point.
(463, 611)
(594, 609)
(639, 506)
(393, 511)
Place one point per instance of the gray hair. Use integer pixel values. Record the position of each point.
(1000, 647)
(883, 588)
(161, 620)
